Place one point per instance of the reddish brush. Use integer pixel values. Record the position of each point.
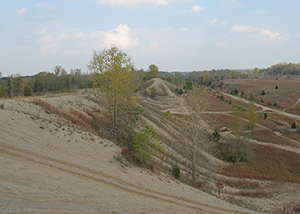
(2, 106)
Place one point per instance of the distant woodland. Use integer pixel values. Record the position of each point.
(59, 80)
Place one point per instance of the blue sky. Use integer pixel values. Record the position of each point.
(176, 35)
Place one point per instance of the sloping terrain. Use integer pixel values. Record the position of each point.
(47, 167)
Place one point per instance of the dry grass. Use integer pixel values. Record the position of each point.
(241, 183)
(257, 193)
(76, 117)
(285, 96)
(269, 136)
(268, 163)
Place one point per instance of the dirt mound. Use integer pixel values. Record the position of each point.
(163, 88)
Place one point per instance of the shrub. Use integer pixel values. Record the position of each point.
(261, 100)
(222, 98)
(176, 172)
(251, 97)
(216, 135)
(230, 102)
(294, 125)
(153, 92)
(180, 91)
(263, 92)
(2, 106)
(269, 103)
(276, 87)
(242, 94)
(275, 104)
(265, 115)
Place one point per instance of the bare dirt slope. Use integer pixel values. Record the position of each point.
(50, 168)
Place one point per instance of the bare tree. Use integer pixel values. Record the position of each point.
(195, 123)
(238, 146)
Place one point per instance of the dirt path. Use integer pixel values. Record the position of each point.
(264, 108)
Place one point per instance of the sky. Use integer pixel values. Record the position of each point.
(175, 35)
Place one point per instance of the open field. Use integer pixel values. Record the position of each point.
(287, 94)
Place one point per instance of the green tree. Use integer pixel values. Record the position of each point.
(276, 87)
(265, 115)
(294, 125)
(146, 143)
(153, 69)
(251, 97)
(263, 92)
(189, 85)
(113, 73)
(261, 100)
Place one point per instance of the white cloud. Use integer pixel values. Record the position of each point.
(51, 48)
(21, 11)
(242, 28)
(212, 22)
(64, 36)
(45, 5)
(231, 4)
(196, 9)
(133, 3)
(46, 39)
(221, 45)
(269, 33)
(121, 37)
(153, 48)
(184, 29)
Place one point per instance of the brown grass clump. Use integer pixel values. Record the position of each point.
(2, 106)
(268, 163)
(75, 118)
(242, 183)
(125, 151)
(257, 193)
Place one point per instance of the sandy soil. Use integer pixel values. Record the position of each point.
(51, 168)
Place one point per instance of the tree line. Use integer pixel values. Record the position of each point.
(59, 80)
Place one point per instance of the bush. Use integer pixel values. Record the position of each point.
(153, 92)
(269, 103)
(261, 100)
(180, 91)
(263, 92)
(230, 102)
(2, 106)
(294, 125)
(216, 135)
(276, 87)
(265, 115)
(251, 97)
(176, 172)
(222, 98)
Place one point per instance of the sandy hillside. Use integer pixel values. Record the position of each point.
(51, 168)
